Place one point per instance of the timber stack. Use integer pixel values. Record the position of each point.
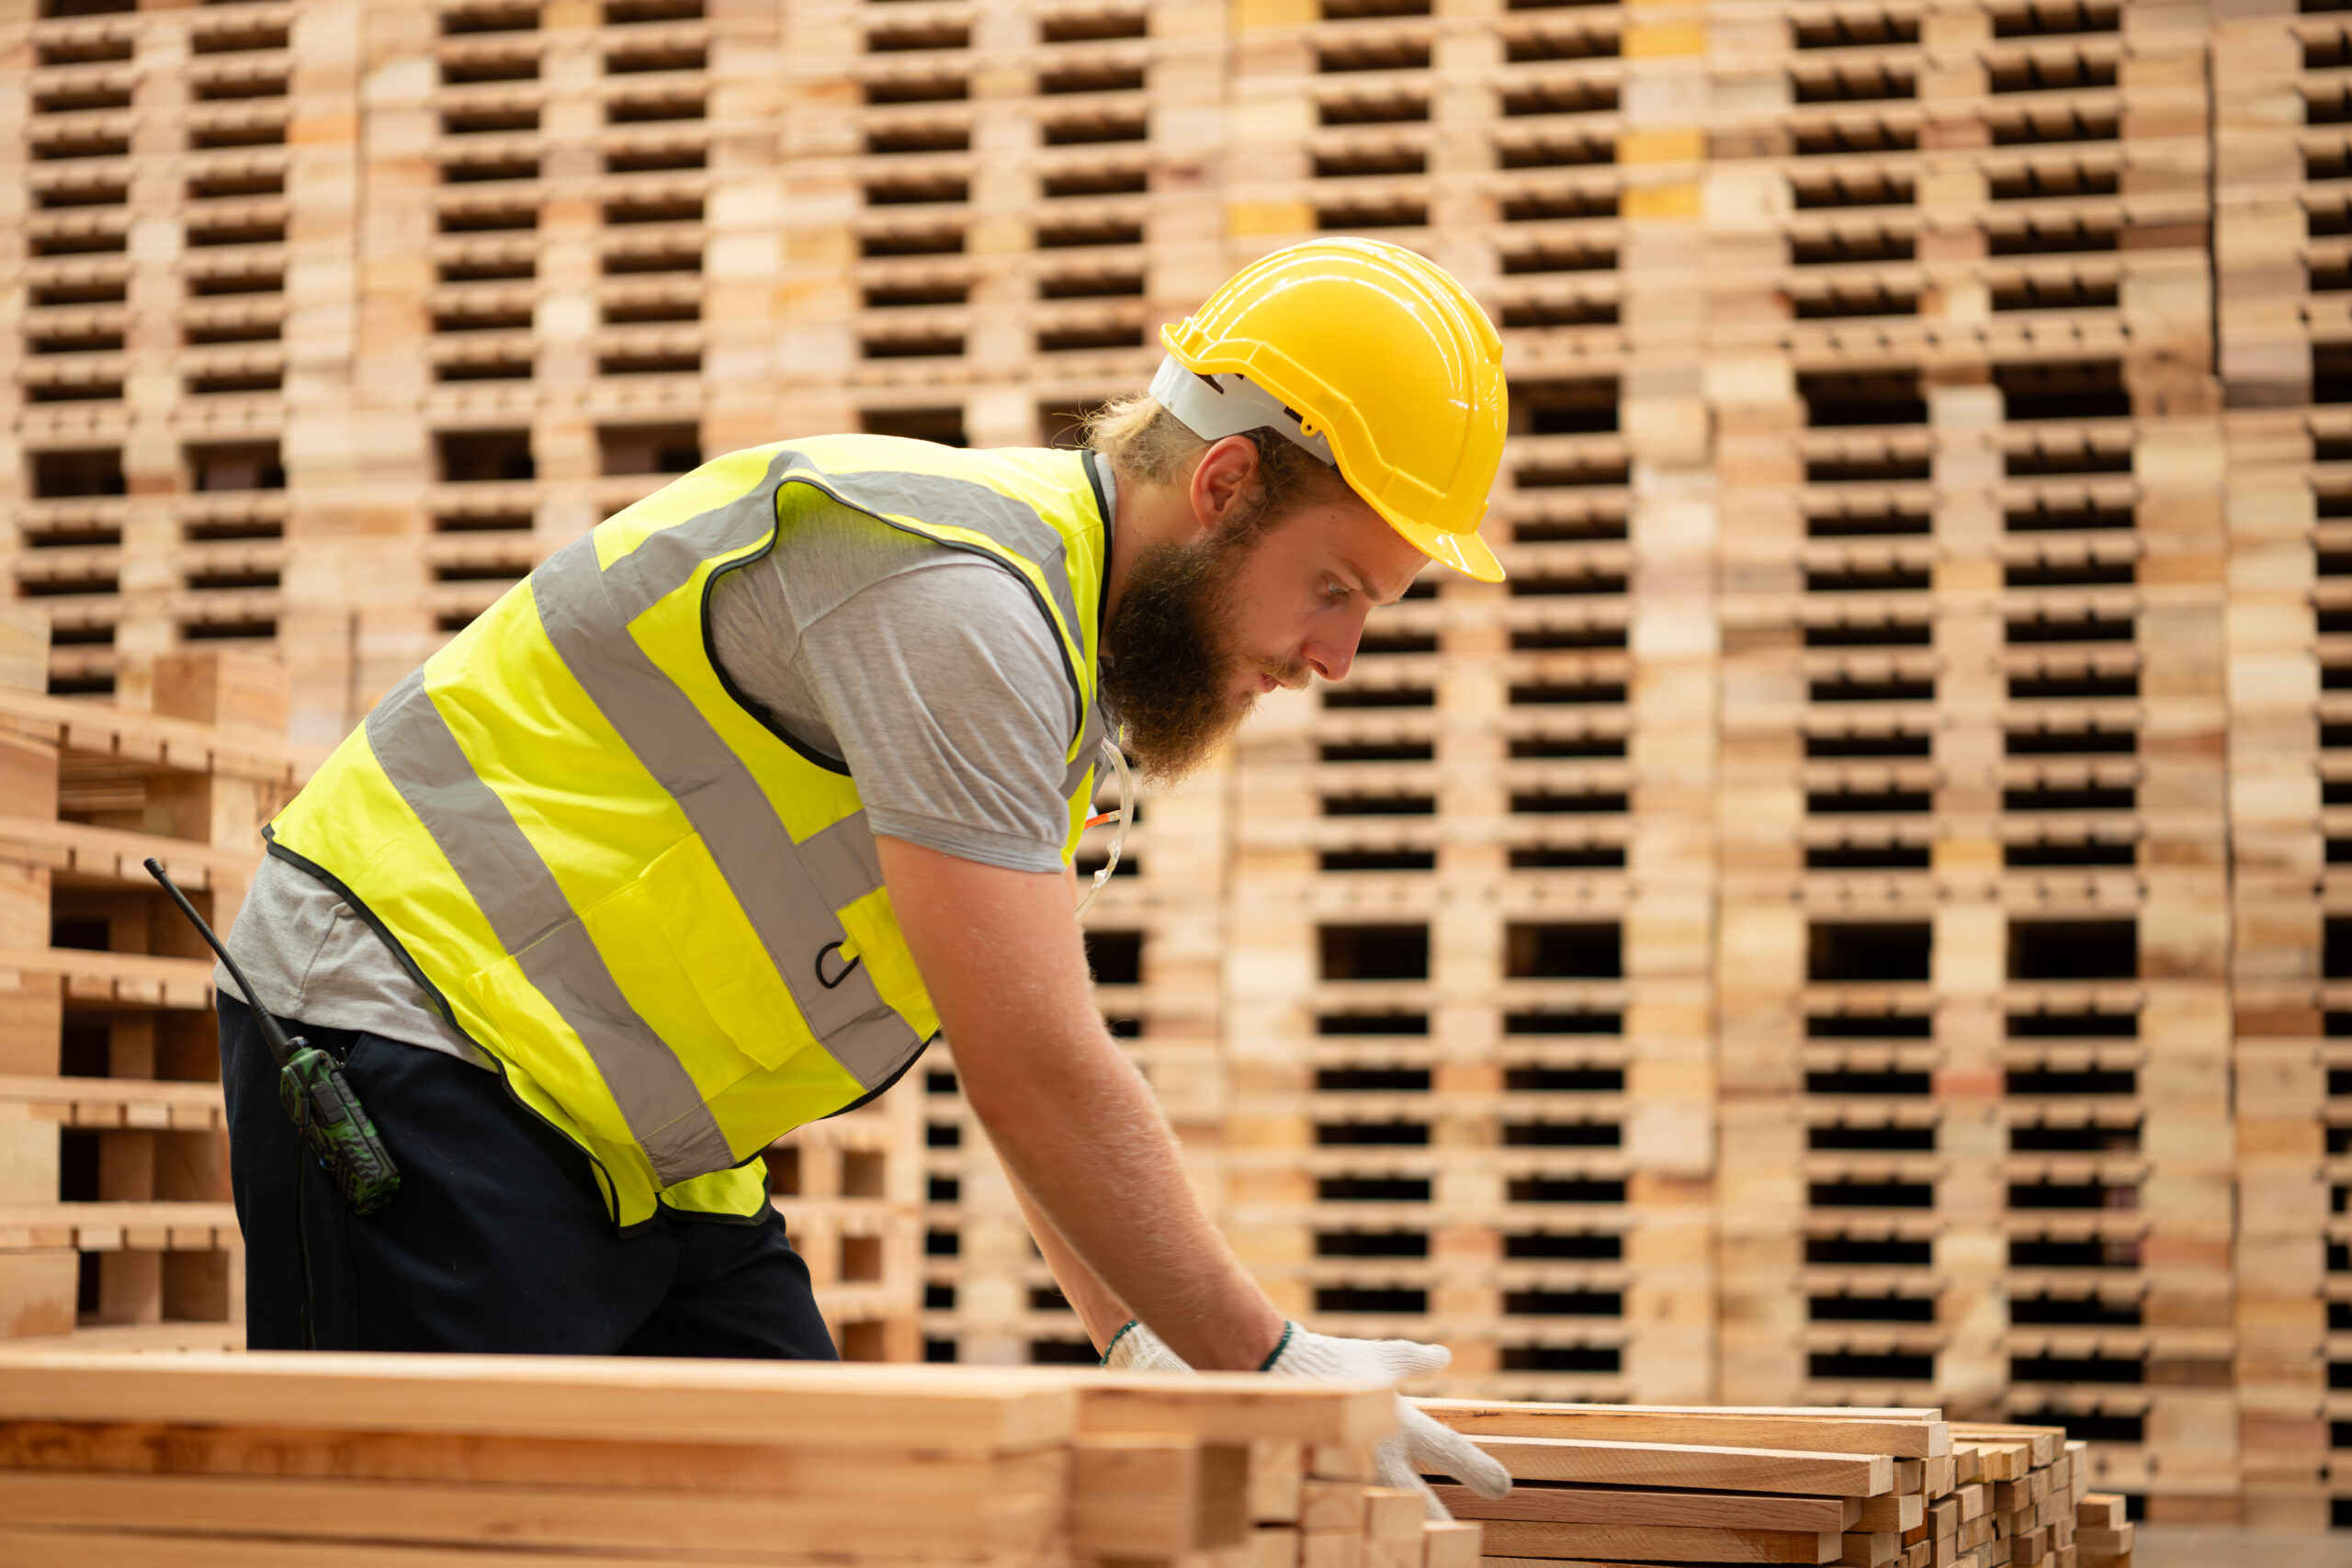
(333, 1462)
(344, 1460)
(1867, 1488)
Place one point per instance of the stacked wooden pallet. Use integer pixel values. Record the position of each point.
(2281, 267)
(114, 1183)
(1866, 1488)
(342, 1461)
(847, 1188)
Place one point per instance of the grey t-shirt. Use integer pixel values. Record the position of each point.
(931, 672)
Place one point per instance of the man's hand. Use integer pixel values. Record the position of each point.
(1420, 1445)
(1002, 955)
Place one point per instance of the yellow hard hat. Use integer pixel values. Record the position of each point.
(1383, 366)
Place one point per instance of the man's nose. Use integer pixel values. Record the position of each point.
(1333, 652)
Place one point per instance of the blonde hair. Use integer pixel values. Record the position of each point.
(1144, 444)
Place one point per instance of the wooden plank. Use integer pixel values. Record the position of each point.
(1906, 1437)
(1392, 1527)
(557, 1396)
(1898, 1514)
(24, 1546)
(934, 1521)
(1331, 1549)
(107, 1226)
(441, 1458)
(115, 855)
(148, 1095)
(2103, 1541)
(1658, 1543)
(2003, 1462)
(2099, 1510)
(132, 978)
(1582, 1505)
(1456, 1545)
(1236, 1407)
(1870, 1549)
(1275, 1479)
(1147, 1495)
(1328, 1505)
(106, 730)
(1273, 1548)
(2047, 1443)
(1690, 1465)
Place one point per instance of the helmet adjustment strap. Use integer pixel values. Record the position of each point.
(1214, 407)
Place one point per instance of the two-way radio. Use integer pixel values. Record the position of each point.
(318, 1099)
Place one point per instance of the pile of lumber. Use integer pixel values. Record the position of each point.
(208, 1461)
(1866, 1488)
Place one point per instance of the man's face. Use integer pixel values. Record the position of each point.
(1204, 630)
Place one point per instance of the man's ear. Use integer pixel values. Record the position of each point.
(1222, 480)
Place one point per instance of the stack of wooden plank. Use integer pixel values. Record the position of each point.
(2102, 1534)
(1865, 1488)
(208, 1461)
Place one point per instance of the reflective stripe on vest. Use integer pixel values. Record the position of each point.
(793, 896)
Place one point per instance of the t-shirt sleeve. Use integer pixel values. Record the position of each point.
(946, 693)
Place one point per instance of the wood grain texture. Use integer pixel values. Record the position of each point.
(1890, 1513)
(1658, 1543)
(2047, 1443)
(982, 1523)
(1718, 1510)
(1870, 1549)
(558, 1397)
(1151, 1495)
(31, 1546)
(1691, 1465)
(1905, 1435)
(464, 1458)
(1246, 1407)
(2099, 1510)
(1455, 1545)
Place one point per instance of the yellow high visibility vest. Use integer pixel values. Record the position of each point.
(661, 915)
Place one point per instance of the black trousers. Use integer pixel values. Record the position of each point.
(498, 1239)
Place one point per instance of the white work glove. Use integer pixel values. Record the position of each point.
(1420, 1444)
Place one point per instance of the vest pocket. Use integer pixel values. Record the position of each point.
(689, 959)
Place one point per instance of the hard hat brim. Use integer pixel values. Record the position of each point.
(1465, 553)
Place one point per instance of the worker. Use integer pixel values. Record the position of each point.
(706, 828)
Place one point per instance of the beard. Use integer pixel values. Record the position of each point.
(1170, 665)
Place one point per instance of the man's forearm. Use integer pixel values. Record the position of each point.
(1095, 1153)
(1102, 1312)
(1000, 954)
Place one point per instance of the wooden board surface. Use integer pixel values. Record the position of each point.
(1589, 1506)
(1904, 1436)
(131, 1449)
(1234, 1407)
(933, 1521)
(1658, 1543)
(31, 1547)
(1691, 1465)
(558, 1396)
